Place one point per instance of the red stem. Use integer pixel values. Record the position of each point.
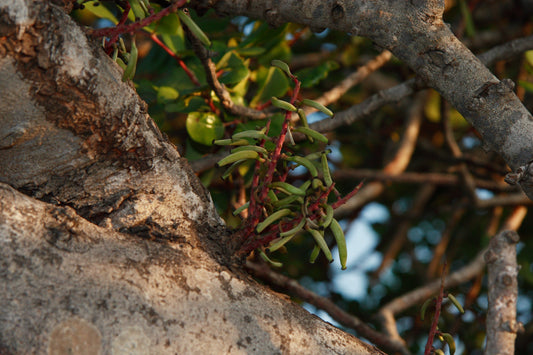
(134, 27)
(438, 306)
(181, 63)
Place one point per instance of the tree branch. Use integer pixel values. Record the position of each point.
(416, 34)
(502, 271)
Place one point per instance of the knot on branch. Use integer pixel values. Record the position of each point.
(522, 174)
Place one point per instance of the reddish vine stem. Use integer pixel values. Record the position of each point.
(438, 306)
(343, 200)
(180, 61)
(255, 200)
(134, 27)
(121, 22)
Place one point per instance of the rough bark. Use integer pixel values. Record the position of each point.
(415, 32)
(74, 287)
(503, 293)
(124, 252)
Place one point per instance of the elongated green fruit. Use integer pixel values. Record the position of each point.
(278, 243)
(253, 134)
(305, 163)
(285, 202)
(129, 72)
(242, 208)
(317, 184)
(311, 133)
(448, 338)
(438, 352)
(284, 105)
(303, 117)
(305, 185)
(326, 221)
(282, 65)
(318, 106)
(254, 148)
(272, 218)
(338, 233)
(314, 254)
(294, 230)
(121, 44)
(247, 154)
(317, 155)
(272, 196)
(311, 224)
(456, 303)
(287, 188)
(268, 260)
(230, 141)
(231, 168)
(193, 27)
(137, 9)
(325, 170)
(424, 307)
(321, 242)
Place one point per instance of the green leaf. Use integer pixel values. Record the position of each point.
(529, 57)
(169, 25)
(311, 76)
(250, 51)
(166, 93)
(275, 83)
(204, 127)
(234, 69)
(465, 11)
(526, 85)
(185, 106)
(101, 11)
(176, 43)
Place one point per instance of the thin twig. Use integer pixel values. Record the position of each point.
(219, 89)
(400, 236)
(460, 276)
(436, 315)
(397, 164)
(409, 177)
(350, 81)
(265, 273)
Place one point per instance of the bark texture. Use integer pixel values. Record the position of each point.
(414, 31)
(108, 242)
(74, 287)
(503, 293)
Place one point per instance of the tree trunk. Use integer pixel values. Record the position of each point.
(115, 246)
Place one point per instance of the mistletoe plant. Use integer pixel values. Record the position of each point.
(277, 210)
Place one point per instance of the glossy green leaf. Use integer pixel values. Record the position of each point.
(101, 11)
(169, 25)
(166, 93)
(529, 57)
(526, 85)
(250, 51)
(176, 43)
(274, 83)
(233, 68)
(467, 16)
(312, 76)
(204, 127)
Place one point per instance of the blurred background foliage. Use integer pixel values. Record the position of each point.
(448, 222)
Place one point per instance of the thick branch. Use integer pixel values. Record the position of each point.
(503, 293)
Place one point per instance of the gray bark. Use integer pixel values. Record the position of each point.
(415, 33)
(114, 247)
(502, 273)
